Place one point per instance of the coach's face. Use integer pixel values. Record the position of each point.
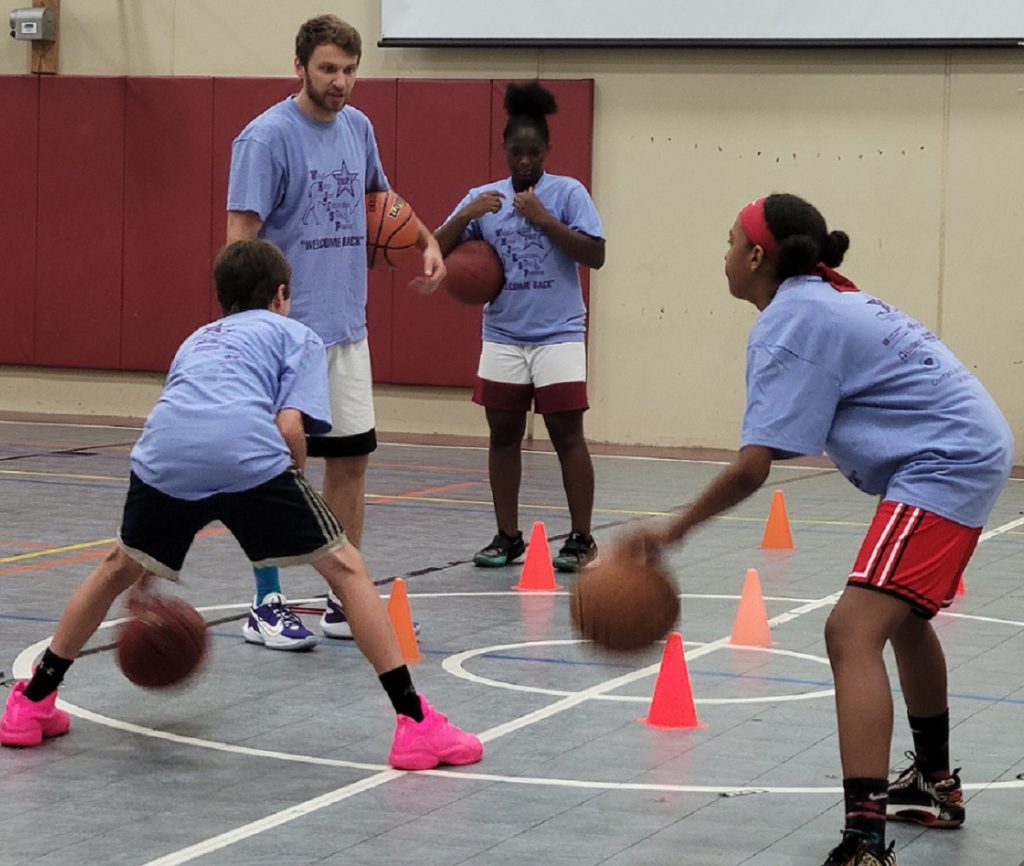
(327, 81)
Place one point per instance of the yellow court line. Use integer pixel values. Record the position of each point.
(63, 475)
(50, 551)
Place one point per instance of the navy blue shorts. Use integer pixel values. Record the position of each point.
(281, 522)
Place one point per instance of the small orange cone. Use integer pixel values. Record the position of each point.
(401, 622)
(776, 531)
(537, 575)
(961, 588)
(751, 625)
(672, 704)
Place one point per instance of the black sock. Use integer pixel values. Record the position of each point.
(48, 676)
(931, 745)
(865, 810)
(398, 685)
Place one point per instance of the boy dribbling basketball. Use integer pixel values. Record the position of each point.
(226, 441)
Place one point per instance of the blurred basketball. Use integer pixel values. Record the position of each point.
(162, 643)
(391, 229)
(623, 603)
(475, 273)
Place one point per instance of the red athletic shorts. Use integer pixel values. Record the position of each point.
(915, 555)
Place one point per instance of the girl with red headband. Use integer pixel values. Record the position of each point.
(833, 369)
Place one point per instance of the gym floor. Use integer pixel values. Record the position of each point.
(279, 758)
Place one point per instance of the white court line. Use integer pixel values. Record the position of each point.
(284, 816)
(455, 665)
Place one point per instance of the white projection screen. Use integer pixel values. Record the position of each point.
(634, 23)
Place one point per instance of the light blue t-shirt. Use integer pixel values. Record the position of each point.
(541, 301)
(898, 413)
(307, 181)
(213, 429)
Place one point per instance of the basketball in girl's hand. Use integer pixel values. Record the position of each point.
(623, 602)
(475, 273)
(391, 230)
(162, 643)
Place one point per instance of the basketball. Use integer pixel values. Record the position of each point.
(163, 642)
(391, 229)
(475, 273)
(624, 604)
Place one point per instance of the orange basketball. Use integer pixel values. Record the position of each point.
(163, 642)
(391, 229)
(475, 273)
(624, 604)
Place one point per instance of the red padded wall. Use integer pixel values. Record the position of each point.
(444, 136)
(81, 215)
(19, 156)
(168, 157)
(116, 196)
(376, 98)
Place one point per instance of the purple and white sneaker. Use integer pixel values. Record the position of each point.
(272, 624)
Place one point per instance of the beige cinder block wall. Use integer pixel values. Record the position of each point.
(915, 153)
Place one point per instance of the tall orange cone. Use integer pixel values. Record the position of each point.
(401, 622)
(537, 575)
(672, 705)
(751, 625)
(776, 531)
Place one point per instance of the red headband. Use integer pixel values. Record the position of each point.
(755, 225)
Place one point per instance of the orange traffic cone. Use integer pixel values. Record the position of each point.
(672, 704)
(401, 622)
(751, 625)
(776, 531)
(537, 575)
(961, 588)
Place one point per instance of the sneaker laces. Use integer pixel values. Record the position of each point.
(286, 614)
(907, 778)
(577, 544)
(502, 544)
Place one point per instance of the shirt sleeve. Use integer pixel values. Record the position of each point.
(791, 402)
(304, 383)
(255, 179)
(376, 179)
(581, 213)
(472, 230)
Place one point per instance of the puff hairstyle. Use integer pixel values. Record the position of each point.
(804, 239)
(529, 105)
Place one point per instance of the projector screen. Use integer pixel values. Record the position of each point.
(655, 23)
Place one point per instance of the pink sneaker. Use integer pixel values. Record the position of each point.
(26, 723)
(424, 745)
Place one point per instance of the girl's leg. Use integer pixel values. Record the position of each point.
(505, 465)
(566, 431)
(857, 630)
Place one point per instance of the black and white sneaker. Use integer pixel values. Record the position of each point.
(933, 804)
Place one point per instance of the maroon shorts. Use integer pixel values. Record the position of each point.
(915, 555)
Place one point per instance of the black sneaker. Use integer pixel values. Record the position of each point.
(578, 550)
(854, 851)
(502, 550)
(934, 804)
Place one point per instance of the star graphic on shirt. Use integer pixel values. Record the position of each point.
(345, 179)
(532, 237)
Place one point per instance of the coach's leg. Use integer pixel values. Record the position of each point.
(345, 491)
